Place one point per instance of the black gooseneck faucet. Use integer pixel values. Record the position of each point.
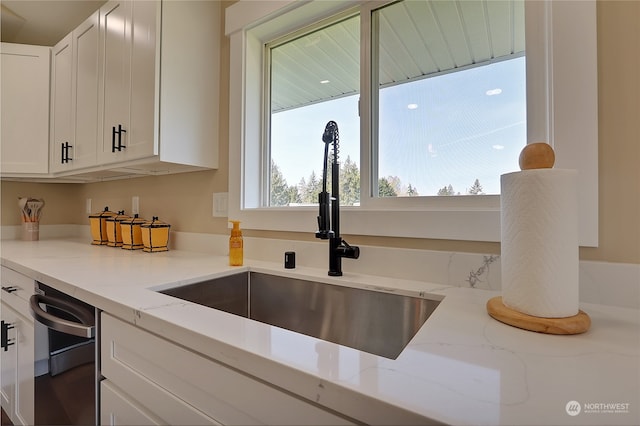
(329, 227)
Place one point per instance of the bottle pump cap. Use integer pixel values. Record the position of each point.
(236, 231)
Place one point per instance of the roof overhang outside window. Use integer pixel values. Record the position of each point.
(434, 37)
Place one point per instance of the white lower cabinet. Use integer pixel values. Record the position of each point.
(150, 380)
(17, 351)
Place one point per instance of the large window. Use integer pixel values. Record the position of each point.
(450, 101)
(432, 99)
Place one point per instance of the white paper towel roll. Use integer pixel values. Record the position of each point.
(539, 242)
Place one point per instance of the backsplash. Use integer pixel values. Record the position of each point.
(613, 284)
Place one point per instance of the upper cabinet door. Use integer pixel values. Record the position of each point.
(85, 92)
(61, 118)
(115, 55)
(74, 98)
(128, 42)
(25, 109)
(144, 78)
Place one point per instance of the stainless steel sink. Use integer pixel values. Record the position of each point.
(370, 321)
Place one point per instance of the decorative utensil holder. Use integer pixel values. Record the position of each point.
(30, 231)
(30, 210)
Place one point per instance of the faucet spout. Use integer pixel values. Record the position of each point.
(329, 227)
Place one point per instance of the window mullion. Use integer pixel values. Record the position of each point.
(368, 106)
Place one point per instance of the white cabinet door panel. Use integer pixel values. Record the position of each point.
(17, 368)
(115, 52)
(24, 109)
(61, 104)
(85, 92)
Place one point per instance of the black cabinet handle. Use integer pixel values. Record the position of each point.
(10, 289)
(67, 146)
(4, 335)
(119, 132)
(65, 152)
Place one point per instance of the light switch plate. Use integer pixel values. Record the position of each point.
(220, 201)
(87, 208)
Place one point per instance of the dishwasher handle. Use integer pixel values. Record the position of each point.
(84, 328)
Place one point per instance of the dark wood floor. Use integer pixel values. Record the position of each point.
(66, 399)
(5, 419)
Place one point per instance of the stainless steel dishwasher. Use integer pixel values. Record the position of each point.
(67, 392)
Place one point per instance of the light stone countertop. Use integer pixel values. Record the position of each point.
(462, 367)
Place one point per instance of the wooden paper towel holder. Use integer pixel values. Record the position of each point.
(576, 324)
(537, 156)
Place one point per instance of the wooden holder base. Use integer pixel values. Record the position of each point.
(576, 324)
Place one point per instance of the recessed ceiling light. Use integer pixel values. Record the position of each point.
(498, 147)
(412, 106)
(493, 92)
(324, 81)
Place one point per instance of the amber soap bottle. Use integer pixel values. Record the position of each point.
(235, 244)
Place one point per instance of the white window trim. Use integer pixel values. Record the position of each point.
(562, 110)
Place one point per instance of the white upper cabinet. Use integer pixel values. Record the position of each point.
(85, 92)
(74, 98)
(25, 110)
(134, 91)
(61, 121)
(159, 85)
(116, 42)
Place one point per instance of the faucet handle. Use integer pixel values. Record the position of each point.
(347, 251)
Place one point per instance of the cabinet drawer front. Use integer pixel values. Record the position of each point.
(130, 354)
(16, 291)
(117, 408)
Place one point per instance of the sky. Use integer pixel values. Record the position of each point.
(434, 132)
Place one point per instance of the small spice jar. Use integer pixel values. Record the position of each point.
(131, 232)
(155, 235)
(114, 229)
(98, 222)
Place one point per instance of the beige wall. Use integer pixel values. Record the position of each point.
(185, 202)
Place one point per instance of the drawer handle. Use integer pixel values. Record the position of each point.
(11, 289)
(85, 327)
(4, 335)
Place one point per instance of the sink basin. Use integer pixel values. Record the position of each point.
(371, 321)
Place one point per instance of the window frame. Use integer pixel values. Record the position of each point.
(561, 109)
